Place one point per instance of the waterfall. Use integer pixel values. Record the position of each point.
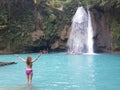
(78, 41)
(90, 34)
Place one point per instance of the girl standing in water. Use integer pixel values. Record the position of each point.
(29, 71)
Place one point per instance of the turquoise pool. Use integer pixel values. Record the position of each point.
(59, 71)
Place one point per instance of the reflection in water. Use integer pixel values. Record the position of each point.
(91, 72)
(82, 71)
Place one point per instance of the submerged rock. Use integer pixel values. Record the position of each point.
(7, 63)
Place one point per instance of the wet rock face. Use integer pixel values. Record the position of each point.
(100, 22)
(7, 63)
(61, 43)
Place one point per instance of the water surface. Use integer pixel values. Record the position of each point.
(59, 71)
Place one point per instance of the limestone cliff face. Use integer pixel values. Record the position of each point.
(61, 43)
(100, 22)
(101, 28)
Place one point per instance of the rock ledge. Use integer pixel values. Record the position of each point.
(7, 63)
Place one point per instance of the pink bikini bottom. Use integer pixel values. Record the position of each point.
(28, 72)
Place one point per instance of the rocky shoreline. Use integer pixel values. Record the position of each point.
(7, 63)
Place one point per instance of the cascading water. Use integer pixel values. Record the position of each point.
(78, 41)
(90, 34)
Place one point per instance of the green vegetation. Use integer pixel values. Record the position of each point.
(18, 18)
(115, 35)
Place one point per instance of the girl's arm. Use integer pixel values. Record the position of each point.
(37, 57)
(21, 58)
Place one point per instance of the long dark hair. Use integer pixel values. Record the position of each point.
(29, 60)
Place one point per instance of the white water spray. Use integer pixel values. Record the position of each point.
(90, 34)
(78, 41)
